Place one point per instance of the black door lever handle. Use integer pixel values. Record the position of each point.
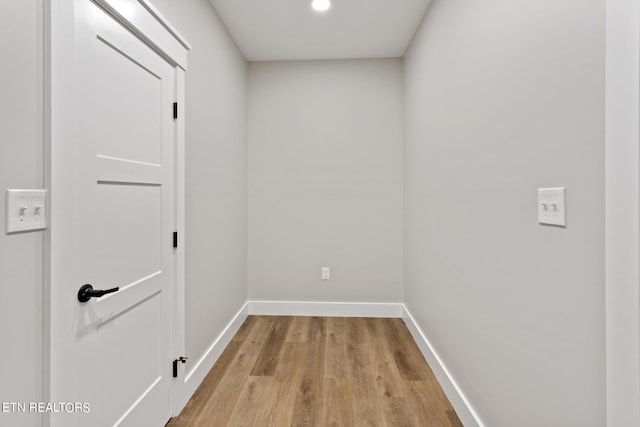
(87, 292)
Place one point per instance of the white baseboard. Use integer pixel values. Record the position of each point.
(463, 408)
(326, 309)
(201, 368)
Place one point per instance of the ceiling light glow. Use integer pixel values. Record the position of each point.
(320, 5)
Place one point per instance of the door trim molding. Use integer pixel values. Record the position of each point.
(622, 212)
(144, 20)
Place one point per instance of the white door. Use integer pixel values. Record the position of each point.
(123, 212)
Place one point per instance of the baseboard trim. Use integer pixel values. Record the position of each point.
(326, 309)
(460, 403)
(201, 368)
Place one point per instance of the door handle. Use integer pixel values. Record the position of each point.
(87, 292)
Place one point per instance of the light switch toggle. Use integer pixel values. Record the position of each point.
(26, 210)
(552, 206)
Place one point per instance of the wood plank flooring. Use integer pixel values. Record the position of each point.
(320, 371)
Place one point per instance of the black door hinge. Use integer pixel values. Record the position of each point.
(175, 239)
(175, 365)
(175, 110)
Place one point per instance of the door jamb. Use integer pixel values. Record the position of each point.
(622, 212)
(179, 312)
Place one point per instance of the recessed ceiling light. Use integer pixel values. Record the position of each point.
(320, 5)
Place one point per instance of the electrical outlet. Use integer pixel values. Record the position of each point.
(326, 273)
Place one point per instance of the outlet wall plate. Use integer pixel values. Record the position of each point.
(26, 210)
(552, 207)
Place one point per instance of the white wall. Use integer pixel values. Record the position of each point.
(325, 180)
(216, 173)
(21, 166)
(504, 97)
(493, 89)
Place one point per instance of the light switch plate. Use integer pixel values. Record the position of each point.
(26, 210)
(552, 207)
(326, 273)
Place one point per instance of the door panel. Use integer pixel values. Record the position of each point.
(129, 94)
(136, 233)
(129, 340)
(124, 216)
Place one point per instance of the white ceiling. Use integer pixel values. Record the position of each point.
(270, 30)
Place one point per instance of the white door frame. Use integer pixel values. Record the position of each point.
(144, 20)
(622, 205)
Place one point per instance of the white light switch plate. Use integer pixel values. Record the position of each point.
(26, 210)
(552, 207)
(326, 273)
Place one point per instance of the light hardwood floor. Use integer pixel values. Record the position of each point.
(320, 371)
